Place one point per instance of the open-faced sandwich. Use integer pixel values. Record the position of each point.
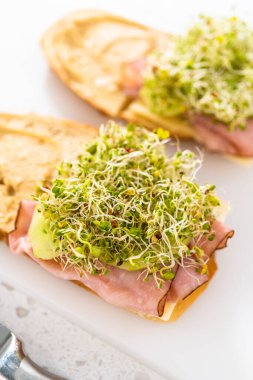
(199, 85)
(127, 221)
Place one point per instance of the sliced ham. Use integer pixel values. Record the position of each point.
(187, 278)
(216, 136)
(132, 77)
(18, 238)
(121, 287)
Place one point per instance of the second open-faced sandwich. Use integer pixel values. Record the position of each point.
(127, 221)
(199, 85)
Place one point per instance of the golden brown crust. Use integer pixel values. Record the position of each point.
(42, 142)
(87, 49)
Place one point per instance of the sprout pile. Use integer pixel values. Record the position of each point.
(209, 70)
(123, 202)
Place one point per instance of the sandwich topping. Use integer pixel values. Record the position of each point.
(209, 71)
(125, 203)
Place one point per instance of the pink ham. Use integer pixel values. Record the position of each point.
(120, 287)
(132, 77)
(187, 278)
(216, 136)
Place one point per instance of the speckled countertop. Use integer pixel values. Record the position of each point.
(61, 347)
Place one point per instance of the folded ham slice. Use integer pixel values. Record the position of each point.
(120, 287)
(216, 136)
(187, 279)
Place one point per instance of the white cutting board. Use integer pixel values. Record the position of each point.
(213, 339)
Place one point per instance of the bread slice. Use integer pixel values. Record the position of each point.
(88, 49)
(30, 148)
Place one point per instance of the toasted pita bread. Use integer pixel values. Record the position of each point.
(88, 49)
(30, 148)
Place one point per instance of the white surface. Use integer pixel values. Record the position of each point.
(62, 347)
(214, 338)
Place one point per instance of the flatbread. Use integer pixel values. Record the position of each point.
(30, 149)
(87, 50)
